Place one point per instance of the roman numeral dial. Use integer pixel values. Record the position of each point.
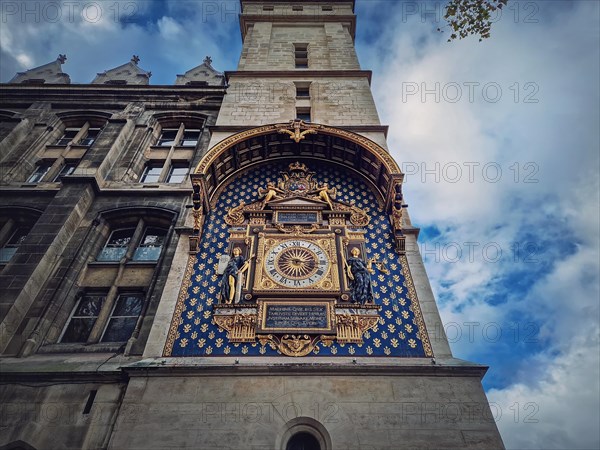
(296, 263)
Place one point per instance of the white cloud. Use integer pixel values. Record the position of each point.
(559, 136)
(108, 33)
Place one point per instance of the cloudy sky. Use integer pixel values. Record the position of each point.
(500, 144)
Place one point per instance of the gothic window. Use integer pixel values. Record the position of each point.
(178, 173)
(168, 137)
(151, 245)
(84, 135)
(168, 160)
(123, 317)
(40, 171)
(15, 225)
(67, 169)
(146, 248)
(179, 137)
(117, 245)
(301, 56)
(62, 155)
(12, 244)
(190, 138)
(152, 172)
(83, 318)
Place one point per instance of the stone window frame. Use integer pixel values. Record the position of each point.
(69, 150)
(179, 152)
(110, 221)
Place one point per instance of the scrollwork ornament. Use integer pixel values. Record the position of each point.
(235, 215)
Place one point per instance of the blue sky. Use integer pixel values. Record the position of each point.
(500, 144)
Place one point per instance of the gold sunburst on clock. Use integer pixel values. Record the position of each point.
(297, 263)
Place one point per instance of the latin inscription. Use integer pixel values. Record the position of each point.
(296, 317)
(297, 217)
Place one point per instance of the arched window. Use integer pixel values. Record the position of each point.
(134, 241)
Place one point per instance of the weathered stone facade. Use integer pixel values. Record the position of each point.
(98, 176)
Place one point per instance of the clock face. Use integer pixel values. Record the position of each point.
(296, 263)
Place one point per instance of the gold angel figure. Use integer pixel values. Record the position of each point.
(271, 192)
(326, 194)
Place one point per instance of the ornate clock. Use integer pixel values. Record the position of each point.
(296, 263)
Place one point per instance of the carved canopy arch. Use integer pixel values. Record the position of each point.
(297, 139)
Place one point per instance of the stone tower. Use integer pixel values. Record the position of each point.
(297, 313)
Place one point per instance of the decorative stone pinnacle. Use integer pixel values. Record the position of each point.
(61, 58)
(135, 59)
(208, 60)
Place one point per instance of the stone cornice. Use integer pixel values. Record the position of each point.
(247, 19)
(328, 367)
(110, 96)
(354, 128)
(299, 73)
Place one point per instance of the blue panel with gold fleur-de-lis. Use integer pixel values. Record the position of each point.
(400, 331)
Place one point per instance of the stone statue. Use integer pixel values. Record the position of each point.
(359, 273)
(236, 266)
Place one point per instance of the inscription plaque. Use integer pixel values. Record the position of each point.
(300, 317)
(297, 217)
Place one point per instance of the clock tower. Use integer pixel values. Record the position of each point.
(297, 312)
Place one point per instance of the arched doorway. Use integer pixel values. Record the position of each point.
(303, 441)
(304, 433)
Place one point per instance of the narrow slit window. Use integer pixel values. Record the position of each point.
(303, 114)
(301, 56)
(302, 92)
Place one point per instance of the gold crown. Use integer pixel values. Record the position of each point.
(298, 166)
